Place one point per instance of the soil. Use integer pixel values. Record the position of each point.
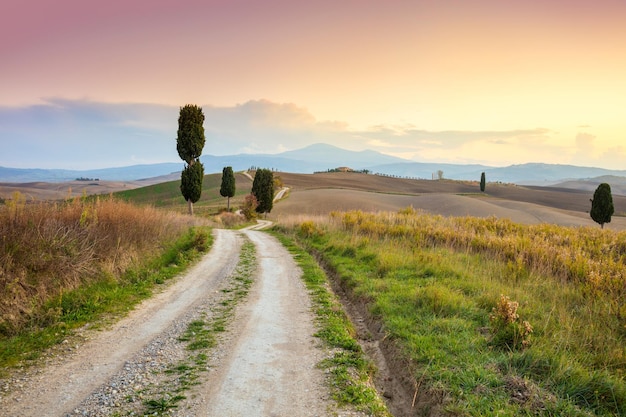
(270, 368)
(266, 365)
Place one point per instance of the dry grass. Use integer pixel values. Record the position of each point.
(47, 249)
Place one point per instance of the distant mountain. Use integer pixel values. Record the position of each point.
(527, 174)
(322, 157)
(547, 174)
(334, 157)
(429, 170)
(317, 157)
(134, 172)
(618, 184)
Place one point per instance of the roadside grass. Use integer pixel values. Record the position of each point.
(68, 264)
(351, 372)
(200, 336)
(439, 287)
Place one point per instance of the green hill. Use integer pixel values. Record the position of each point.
(167, 194)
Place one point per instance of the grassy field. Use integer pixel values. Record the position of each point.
(492, 318)
(167, 195)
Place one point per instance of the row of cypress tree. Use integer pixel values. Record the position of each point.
(190, 141)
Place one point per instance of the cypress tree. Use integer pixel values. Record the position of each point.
(602, 205)
(191, 183)
(228, 185)
(263, 190)
(189, 144)
(482, 182)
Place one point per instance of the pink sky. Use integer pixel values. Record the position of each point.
(487, 65)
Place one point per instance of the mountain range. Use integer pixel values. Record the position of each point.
(324, 157)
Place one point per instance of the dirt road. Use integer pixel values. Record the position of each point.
(266, 366)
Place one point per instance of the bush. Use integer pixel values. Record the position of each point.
(229, 219)
(248, 209)
(506, 328)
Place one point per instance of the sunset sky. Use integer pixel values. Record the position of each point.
(86, 84)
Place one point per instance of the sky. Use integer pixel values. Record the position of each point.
(93, 84)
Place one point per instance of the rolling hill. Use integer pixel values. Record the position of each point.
(323, 157)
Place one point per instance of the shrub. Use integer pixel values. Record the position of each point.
(248, 209)
(229, 219)
(506, 328)
(308, 229)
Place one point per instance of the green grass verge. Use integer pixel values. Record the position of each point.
(109, 296)
(436, 304)
(351, 372)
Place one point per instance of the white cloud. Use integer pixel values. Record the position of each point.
(377, 143)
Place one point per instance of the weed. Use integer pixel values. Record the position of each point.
(506, 328)
(162, 405)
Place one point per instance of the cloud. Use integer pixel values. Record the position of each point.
(614, 156)
(452, 139)
(584, 142)
(377, 143)
(79, 134)
(584, 149)
(262, 126)
(82, 134)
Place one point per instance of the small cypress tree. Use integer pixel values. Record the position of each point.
(228, 185)
(482, 182)
(602, 205)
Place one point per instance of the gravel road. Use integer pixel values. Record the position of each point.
(264, 366)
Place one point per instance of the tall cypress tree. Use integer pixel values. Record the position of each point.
(602, 205)
(189, 144)
(482, 182)
(228, 185)
(263, 190)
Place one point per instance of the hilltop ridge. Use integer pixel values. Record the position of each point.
(321, 157)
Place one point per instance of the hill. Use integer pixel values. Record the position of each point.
(321, 158)
(618, 184)
(319, 194)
